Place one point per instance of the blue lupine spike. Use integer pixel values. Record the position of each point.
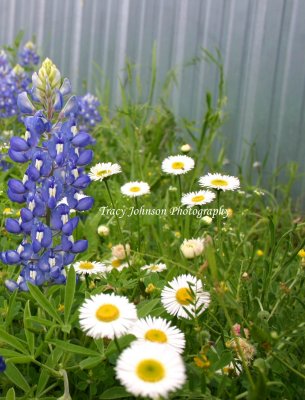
(55, 151)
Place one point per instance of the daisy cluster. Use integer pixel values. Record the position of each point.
(152, 365)
(55, 153)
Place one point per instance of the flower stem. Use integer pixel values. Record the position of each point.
(138, 224)
(118, 222)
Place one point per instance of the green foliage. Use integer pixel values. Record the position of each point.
(251, 267)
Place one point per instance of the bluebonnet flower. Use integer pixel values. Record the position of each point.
(28, 56)
(89, 114)
(55, 153)
(2, 364)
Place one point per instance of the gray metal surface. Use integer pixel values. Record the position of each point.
(262, 43)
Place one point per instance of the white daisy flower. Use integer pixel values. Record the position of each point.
(135, 189)
(101, 171)
(154, 267)
(198, 198)
(89, 267)
(192, 248)
(177, 165)
(219, 182)
(150, 370)
(115, 263)
(107, 315)
(159, 330)
(184, 297)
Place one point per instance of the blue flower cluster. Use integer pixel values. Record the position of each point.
(28, 56)
(89, 114)
(14, 80)
(53, 183)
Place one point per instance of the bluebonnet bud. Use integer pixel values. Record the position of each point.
(55, 153)
(28, 56)
(89, 114)
(2, 364)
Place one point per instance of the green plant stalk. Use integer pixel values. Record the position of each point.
(118, 222)
(138, 224)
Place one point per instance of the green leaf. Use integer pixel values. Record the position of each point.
(43, 302)
(116, 392)
(12, 341)
(10, 395)
(15, 376)
(11, 309)
(30, 338)
(146, 307)
(20, 359)
(41, 321)
(91, 362)
(74, 348)
(69, 293)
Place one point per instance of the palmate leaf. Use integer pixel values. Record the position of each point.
(73, 348)
(15, 376)
(10, 395)
(12, 341)
(116, 392)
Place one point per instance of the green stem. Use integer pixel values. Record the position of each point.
(118, 222)
(138, 224)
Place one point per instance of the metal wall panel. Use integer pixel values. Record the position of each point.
(262, 43)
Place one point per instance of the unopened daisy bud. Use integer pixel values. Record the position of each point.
(245, 276)
(192, 248)
(207, 220)
(177, 234)
(259, 253)
(103, 230)
(301, 253)
(257, 165)
(29, 45)
(120, 251)
(185, 148)
(202, 361)
(150, 288)
(229, 212)
(61, 308)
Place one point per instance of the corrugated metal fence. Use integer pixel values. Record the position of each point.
(261, 41)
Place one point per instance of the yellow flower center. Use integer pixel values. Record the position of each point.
(150, 370)
(116, 263)
(86, 265)
(154, 267)
(184, 296)
(197, 199)
(103, 172)
(155, 335)
(177, 165)
(107, 313)
(219, 182)
(134, 189)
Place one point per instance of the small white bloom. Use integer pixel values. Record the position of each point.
(89, 267)
(120, 251)
(135, 189)
(103, 230)
(160, 331)
(219, 182)
(101, 171)
(154, 267)
(198, 198)
(115, 263)
(150, 370)
(177, 165)
(107, 315)
(192, 248)
(184, 297)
